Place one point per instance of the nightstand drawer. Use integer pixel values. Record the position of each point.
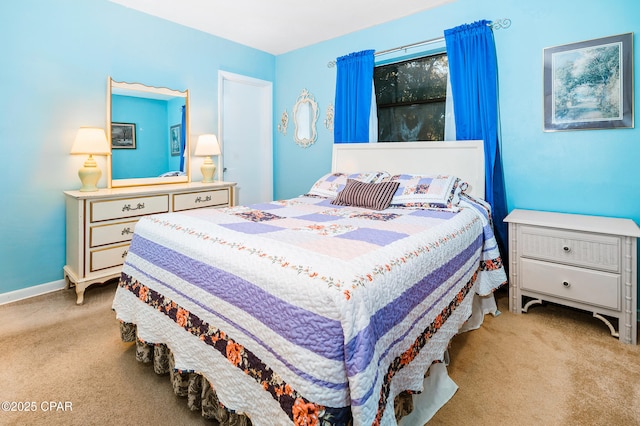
(107, 257)
(101, 235)
(128, 207)
(583, 249)
(571, 283)
(196, 200)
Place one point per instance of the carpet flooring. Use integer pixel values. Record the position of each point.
(552, 366)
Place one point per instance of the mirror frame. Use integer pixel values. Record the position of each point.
(306, 97)
(152, 91)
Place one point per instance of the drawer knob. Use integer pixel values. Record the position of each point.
(566, 249)
(566, 284)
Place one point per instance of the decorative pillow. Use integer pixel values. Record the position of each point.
(374, 177)
(437, 191)
(330, 184)
(375, 196)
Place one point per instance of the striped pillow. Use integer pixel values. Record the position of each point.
(375, 196)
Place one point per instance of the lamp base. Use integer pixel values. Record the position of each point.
(89, 175)
(208, 169)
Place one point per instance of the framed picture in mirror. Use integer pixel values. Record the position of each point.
(123, 136)
(175, 139)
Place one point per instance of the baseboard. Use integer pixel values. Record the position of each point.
(37, 290)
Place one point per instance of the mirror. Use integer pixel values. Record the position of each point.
(305, 116)
(148, 128)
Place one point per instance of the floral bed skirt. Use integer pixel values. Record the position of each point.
(199, 392)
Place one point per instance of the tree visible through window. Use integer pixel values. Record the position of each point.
(411, 98)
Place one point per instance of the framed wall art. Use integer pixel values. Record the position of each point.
(175, 139)
(123, 136)
(589, 84)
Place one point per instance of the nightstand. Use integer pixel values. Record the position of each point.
(586, 262)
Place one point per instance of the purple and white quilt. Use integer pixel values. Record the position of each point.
(317, 312)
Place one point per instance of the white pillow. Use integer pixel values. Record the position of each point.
(330, 184)
(424, 191)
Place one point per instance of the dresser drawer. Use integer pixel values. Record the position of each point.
(100, 235)
(583, 249)
(567, 282)
(107, 257)
(196, 200)
(128, 207)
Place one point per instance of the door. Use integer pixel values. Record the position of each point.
(246, 136)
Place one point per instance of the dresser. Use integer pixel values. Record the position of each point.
(100, 224)
(586, 262)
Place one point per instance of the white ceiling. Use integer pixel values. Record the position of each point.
(279, 26)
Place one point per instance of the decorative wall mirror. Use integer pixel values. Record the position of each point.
(305, 116)
(148, 128)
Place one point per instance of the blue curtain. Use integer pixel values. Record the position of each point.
(473, 71)
(183, 136)
(354, 88)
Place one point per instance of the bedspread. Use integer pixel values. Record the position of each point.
(317, 312)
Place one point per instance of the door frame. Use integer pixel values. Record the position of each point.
(267, 125)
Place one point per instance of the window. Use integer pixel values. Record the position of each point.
(411, 98)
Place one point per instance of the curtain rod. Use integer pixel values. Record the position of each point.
(497, 24)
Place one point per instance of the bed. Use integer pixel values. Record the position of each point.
(319, 309)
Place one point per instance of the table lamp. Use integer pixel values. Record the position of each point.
(207, 146)
(90, 140)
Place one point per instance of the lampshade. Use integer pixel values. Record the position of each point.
(90, 140)
(207, 145)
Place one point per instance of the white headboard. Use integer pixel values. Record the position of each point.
(464, 159)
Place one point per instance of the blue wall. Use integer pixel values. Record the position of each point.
(150, 117)
(60, 57)
(56, 59)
